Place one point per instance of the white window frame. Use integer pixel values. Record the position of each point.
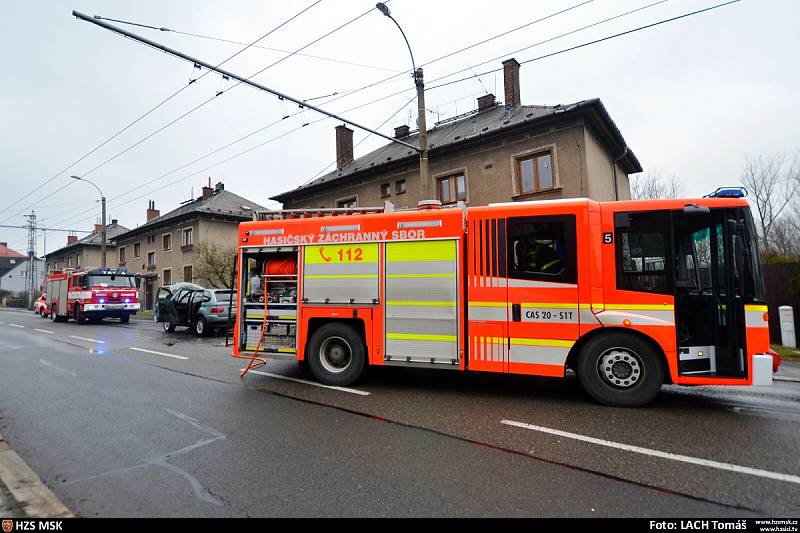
(148, 259)
(515, 178)
(170, 242)
(139, 244)
(187, 231)
(164, 277)
(183, 273)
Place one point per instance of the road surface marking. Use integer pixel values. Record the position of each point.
(159, 353)
(663, 455)
(305, 382)
(781, 378)
(43, 330)
(15, 325)
(85, 339)
(54, 367)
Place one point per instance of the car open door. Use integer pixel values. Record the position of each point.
(165, 310)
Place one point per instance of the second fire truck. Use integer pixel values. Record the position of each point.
(92, 295)
(628, 295)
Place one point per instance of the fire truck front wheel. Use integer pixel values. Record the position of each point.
(621, 370)
(336, 354)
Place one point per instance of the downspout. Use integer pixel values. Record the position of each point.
(614, 171)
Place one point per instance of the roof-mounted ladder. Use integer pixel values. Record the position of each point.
(285, 214)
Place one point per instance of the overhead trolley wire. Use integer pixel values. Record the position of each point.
(147, 113)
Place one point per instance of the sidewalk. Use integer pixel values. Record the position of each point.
(22, 493)
(789, 369)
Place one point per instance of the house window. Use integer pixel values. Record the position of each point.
(347, 203)
(186, 239)
(452, 189)
(78, 260)
(137, 250)
(535, 173)
(151, 259)
(69, 261)
(400, 186)
(166, 276)
(187, 273)
(122, 255)
(386, 190)
(166, 242)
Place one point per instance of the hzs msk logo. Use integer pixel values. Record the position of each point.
(8, 525)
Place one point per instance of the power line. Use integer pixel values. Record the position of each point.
(596, 41)
(231, 41)
(157, 106)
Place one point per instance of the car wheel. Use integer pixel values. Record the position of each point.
(336, 354)
(200, 327)
(169, 327)
(620, 370)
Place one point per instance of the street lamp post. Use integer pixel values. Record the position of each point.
(424, 174)
(103, 232)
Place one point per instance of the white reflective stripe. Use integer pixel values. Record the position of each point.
(330, 229)
(80, 295)
(755, 319)
(540, 355)
(638, 318)
(497, 314)
(420, 224)
(267, 232)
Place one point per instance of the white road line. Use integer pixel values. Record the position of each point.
(663, 455)
(43, 330)
(85, 339)
(15, 325)
(305, 382)
(159, 353)
(782, 378)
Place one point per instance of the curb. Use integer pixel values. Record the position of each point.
(31, 496)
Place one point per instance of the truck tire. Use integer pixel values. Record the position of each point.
(125, 318)
(336, 354)
(620, 370)
(78, 314)
(53, 314)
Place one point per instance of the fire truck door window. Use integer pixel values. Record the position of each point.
(542, 248)
(642, 249)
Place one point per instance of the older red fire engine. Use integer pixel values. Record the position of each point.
(92, 295)
(628, 295)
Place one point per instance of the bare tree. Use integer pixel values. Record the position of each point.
(653, 185)
(772, 180)
(214, 265)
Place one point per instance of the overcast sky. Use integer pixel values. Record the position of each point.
(691, 97)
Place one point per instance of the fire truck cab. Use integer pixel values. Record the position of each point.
(92, 295)
(628, 295)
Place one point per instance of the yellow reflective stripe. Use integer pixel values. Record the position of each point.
(554, 343)
(488, 304)
(420, 337)
(342, 276)
(756, 308)
(551, 263)
(419, 276)
(286, 317)
(642, 307)
(546, 305)
(287, 350)
(398, 303)
(421, 251)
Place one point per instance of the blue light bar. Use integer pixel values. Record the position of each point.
(728, 192)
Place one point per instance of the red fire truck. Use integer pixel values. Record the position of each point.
(92, 295)
(628, 295)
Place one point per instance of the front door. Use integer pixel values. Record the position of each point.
(164, 312)
(543, 319)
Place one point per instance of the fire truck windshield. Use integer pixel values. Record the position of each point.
(111, 280)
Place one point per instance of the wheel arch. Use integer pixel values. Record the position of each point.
(317, 322)
(576, 349)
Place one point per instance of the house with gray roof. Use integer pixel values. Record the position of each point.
(85, 253)
(496, 153)
(163, 249)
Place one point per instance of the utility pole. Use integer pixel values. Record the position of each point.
(424, 173)
(103, 231)
(30, 280)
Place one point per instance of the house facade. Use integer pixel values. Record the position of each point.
(86, 252)
(163, 250)
(9, 258)
(15, 280)
(497, 153)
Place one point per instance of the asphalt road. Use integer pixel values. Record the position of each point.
(129, 421)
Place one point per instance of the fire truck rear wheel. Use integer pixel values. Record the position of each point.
(620, 370)
(336, 354)
(78, 314)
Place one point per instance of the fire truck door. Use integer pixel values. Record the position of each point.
(543, 321)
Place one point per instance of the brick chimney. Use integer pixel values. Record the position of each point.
(152, 212)
(71, 239)
(207, 190)
(511, 79)
(401, 132)
(98, 228)
(344, 146)
(486, 102)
